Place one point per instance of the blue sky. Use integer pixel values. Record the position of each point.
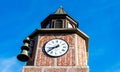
(99, 19)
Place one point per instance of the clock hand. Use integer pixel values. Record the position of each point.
(51, 48)
(57, 46)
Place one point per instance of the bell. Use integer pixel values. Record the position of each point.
(25, 46)
(23, 56)
(27, 40)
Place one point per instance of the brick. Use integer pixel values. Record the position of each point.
(43, 60)
(81, 51)
(64, 61)
(55, 70)
(67, 59)
(32, 69)
(69, 39)
(77, 70)
(43, 40)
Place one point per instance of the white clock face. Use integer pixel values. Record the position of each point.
(56, 47)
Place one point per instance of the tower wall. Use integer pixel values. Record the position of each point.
(73, 61)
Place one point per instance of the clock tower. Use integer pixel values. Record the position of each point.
(58, 46)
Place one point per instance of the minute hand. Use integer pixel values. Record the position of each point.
(51, 48)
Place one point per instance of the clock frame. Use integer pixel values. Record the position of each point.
(55, 47)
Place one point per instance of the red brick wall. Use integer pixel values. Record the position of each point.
(75, 60)
(82, 54)
(65, 60)
(45, 69)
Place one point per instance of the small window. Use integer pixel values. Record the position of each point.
(48, 25)
(69, 25)
(52, 25)
(58, 24)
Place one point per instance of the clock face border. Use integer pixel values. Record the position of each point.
(43, 48)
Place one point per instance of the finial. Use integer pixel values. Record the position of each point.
(60, 11)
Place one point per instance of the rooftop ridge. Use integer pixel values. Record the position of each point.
(60, 11)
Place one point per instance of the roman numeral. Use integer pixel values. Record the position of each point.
(64, 46)
(63, 50)
(52, 41)
(51, 52)
(56, 41)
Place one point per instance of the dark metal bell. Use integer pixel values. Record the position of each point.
(26, 47)
(23, 56)
(27, 40)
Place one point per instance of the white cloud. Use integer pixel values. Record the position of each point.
(10, 65)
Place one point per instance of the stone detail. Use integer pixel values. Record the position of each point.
(55, 70)
(78, 70)
(50, 69)
(32, 69)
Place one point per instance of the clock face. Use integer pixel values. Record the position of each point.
(56, 47)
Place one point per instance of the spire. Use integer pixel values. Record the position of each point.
(60, 11)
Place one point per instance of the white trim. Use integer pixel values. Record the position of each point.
(56, 67)
(71, 20)
(55, 61)
(76, 50)
(37, 48)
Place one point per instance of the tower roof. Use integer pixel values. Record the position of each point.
(60, 11)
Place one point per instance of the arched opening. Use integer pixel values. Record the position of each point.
(59, 24)
(70, 25)
(48, 25)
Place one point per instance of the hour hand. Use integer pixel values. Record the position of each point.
(51, 48)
